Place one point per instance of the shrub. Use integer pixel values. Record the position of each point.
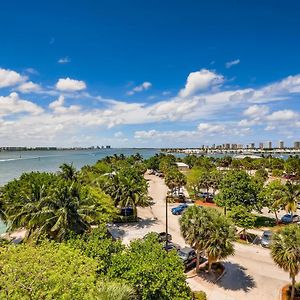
(199, 295)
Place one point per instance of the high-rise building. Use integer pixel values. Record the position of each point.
(281, 144)
(297, 145)
(261, 145)
(269, 145)
(252, 145)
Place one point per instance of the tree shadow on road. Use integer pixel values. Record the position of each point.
(118, 230)
(236, 278)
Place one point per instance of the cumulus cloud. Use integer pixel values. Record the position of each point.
(232, 63)
(198, 101)
(70, 85)
(58, 106)
(10, 78)
(142, 87)
(255, 111)
(64, 60)
(13, 104)
(28, 87)
(200, 81)
(283, 115)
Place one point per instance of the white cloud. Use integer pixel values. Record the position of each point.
(118, 134)
(70, 85)
(32, 71)
(64, 60)
(13, 104)
(142, 87)
(10, 78)
(283, 116)
(200, 81)
(58, 106)
(230, 64)
(255, 111)
(28, 87)
(208, 128)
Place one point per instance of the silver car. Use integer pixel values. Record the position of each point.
(266, 238)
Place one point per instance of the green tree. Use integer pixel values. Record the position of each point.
(220, 242)
(193, 182)
(242, 218)
(238, 188)
(273, 197)
(98, 245)
(261, 174)
(291, 197)
(127, 187)
(54, 208)
(206, 230)
(68, 171)
(53, 271)
(195, 226)
(285, 251)
(154, 272)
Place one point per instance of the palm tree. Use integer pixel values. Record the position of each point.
(115, 290)
(292, 196)
(220, 243)
(195, 225)
(285, 251)
(207, 230)
(68, 171)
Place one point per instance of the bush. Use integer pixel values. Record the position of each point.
(297, 292)
(277, 173)
(199, 295)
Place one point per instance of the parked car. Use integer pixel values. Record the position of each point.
(266, 238)
(171, 246)
(289, 218)
(127, 211)
(178, 210)
(161, 237)
(298, 205)
(188, 256)
(205, 195)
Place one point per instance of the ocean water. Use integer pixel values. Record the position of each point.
(14, 163)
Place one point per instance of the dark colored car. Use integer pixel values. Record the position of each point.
(178, 210)
(161, 237)
(266, 238)
(289, 218)
(127, 211)
(171, 246)
(188, 256)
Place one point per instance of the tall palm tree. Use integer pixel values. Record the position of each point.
(292, 196)
(285, 251)
(220, 242)
(206, 230)
(195, 225)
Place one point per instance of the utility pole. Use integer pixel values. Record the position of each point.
(166, 223)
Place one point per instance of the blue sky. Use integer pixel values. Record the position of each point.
(149, 73)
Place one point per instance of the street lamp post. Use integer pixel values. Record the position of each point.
(166, 223)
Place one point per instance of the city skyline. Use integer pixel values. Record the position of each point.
(172, 74)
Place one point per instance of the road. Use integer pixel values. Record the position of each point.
(250, 273)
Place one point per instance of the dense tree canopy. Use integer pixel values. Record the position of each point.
(238, 188)
(154, 272)
(54, 271)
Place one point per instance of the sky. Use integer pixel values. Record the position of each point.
(153, 73)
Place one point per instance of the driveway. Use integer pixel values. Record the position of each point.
(250, 273)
